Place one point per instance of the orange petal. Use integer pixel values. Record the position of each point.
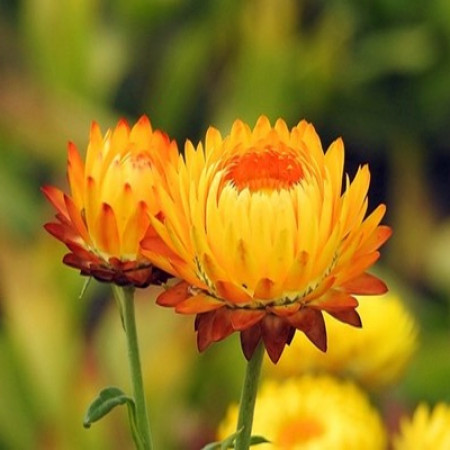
(75, 173)
(156, 245)
(242, 319)
(107, 232)
(334, 300)
(311, 322)
(76, 219)
(378, 237)
(136, 225)
(365, 284)
(325, 286)
(231, 292)
(383, 233)
(349, 316)
(56, 198)
(264, 289)
(174, 295)
(357, 266)
(197, 304)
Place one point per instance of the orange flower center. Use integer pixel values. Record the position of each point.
(265, 170)
(299, 431)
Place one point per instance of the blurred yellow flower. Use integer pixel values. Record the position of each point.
(312, 413)
(107, 214)
(375, 356)
(426, 430)
(258, 228)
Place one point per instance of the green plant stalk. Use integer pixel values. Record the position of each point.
(248, 398)
(125, 297)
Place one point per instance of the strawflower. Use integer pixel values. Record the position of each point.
(426, 430)
(107, 213)
(375, 356)
(264, 236)
(102, 223)
(313, 413)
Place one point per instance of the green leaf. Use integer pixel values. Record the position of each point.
(108, 399)
(256, 440)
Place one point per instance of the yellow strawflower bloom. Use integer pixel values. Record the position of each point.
(375, 355)
(312, 413)
(264, 236)
(426, 430)
(108, 212)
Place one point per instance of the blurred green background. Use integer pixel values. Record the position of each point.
(375, 72)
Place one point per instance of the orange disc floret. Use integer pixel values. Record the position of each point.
(111, 202)
(264, 236)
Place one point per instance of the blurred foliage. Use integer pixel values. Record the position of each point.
(375, 72)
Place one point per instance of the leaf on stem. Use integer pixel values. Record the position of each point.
(107, 399)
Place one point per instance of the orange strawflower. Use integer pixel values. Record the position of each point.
(112, 198)
(258, 228)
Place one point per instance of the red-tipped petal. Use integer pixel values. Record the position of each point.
(204, 324)
(250, 339)
(56, 198)
(275, 333)
(222, 324)
(62, 232)
(365, 284)
(82, 253)
(174, 295)
(349, 316)
(75, 261)
(197, 304)
(76, 219)
(311, 322)
(242, 319)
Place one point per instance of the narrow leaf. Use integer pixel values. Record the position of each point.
(84, 288)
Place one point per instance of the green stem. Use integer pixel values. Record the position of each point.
(248, 398)
(125, 297)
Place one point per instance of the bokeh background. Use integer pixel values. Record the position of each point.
(376, 73)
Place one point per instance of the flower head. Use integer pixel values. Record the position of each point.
(291, 416)
(258, 228)
(375, 356)
(426, 430)
(107, 213)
